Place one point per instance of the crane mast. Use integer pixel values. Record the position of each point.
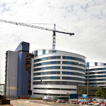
(54, 38)
(42, 28)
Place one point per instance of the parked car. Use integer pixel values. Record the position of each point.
(60, 101)
(102, 104)
(48, 98)
(96, 104)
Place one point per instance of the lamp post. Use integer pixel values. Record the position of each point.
(87, 81)
(9, 87)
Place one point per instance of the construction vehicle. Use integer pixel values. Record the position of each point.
(38, 27)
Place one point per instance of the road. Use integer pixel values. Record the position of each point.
(22, 102)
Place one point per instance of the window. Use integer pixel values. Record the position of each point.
(44, 78)
(96, 63)
(73, 58)
(46, 68)
(73, 63)
(47, 63)
(73, 73)
(55, 82)
(53, 51)
(96, 69)
(37, 78)
(47, 58)
(53, 77)
(56, 89)
(72, 68)
(44, 52)
(87, 64)
(73, 78)
(36, 53)
(43, 59)
(43, 68)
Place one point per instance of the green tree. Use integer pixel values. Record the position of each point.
(83, 90)
(98, 92)
(101, 93)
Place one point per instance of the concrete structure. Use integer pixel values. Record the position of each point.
(1, 89)
(17, 76)
(96, 74)
(50, 72)
(56, 73)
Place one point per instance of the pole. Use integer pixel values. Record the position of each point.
(77, 92)
(87, 81)
(9, 86)
(54, 37)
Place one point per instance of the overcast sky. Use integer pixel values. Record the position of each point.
(85, 18)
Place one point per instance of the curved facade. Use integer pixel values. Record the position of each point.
(56, 73)
(96, 74)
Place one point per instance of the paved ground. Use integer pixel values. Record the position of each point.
(38, 103)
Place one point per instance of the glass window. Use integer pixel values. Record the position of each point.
(69, 57)
(53, 62)
(45, 68)
(53, 77)
(37, 78)
(35, 73)
(53, 51)
(43, 59)
(73, 78)
(72, 68)
(47, 58)
(53, 72)
(73, 58)
(54, 57)
(87, 64)
(43, 63)
(43, 73)
(44, 52)
(46, 63)
(35, 65)
(95, 69)
(36, 53)
(96, 63)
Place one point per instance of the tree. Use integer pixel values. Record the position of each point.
(101, 93)
(98, 92)
(84, 90)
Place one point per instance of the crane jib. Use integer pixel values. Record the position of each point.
(38, 27)
(33, 26)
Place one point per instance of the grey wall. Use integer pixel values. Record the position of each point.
(12, 65)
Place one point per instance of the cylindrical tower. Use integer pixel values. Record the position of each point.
(96, 74)
(56, 73)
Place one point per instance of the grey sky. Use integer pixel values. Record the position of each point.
(86, 18)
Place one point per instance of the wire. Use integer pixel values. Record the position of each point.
(42, 23)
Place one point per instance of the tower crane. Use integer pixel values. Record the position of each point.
(38, 27)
